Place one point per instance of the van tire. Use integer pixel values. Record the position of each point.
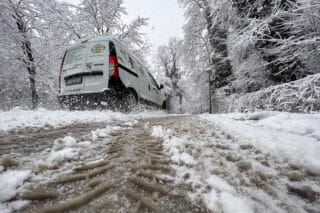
(130, 99)
(164, 105)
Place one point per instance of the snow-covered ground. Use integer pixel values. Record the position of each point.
(294, 137)
(258, 162)
(61, 152)
(59, 156)
(232, 162)
(18, 118)
(194, 168)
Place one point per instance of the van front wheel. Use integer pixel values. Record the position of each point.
(164, 105)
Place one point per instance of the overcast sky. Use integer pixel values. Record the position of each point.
(165, 18)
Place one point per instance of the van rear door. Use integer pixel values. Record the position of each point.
(97, 67)
(85, 68)
(73, 66)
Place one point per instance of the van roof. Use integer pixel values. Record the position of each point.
(106, 38)
(95, 38)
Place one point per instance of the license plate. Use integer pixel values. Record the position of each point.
(74, 80)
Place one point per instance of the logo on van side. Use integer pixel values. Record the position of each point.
(98, 48)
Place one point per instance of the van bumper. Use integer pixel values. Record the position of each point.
(88, 99)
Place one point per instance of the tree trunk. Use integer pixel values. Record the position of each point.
(29, 62)
(217, 40)
(34, 94)
(169, 103)
(180, 102)
(220, 62)
(28, 59)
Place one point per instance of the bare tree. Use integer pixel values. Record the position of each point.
(16, 19)
(169, 57)
(104, 17)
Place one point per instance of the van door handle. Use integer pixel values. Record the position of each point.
(149, 87)
(89, 66)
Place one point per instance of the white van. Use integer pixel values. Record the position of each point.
(102, 70)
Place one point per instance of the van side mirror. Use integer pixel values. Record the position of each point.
(161, 86)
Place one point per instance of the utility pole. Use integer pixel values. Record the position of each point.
(209, 71)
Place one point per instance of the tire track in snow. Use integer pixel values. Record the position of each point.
(128, 173)
(25, 141)
(247, 174)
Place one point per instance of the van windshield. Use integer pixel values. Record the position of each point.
(76, 55)
(154, 80)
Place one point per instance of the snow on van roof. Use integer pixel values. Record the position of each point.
(108, 38)
(94, 38)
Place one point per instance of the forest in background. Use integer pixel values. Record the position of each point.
(262, 55)
(257, 50)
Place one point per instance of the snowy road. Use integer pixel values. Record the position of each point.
(165, 163)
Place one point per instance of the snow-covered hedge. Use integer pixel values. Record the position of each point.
(299, 96)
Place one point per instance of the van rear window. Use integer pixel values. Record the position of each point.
(76, 55)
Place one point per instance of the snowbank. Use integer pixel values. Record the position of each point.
(298, 96)
(42, 117)
(293, 137)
